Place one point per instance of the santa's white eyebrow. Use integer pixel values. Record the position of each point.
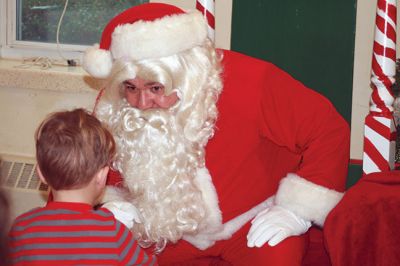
(153, 83)
(150, 83)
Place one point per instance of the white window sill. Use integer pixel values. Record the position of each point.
(56, 78)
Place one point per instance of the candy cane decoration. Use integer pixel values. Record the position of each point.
(380, 131)
(207, 8)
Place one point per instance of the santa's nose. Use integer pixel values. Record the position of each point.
(145, 100)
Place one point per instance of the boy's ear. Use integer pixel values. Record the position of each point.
(39, 172)
(101, 177)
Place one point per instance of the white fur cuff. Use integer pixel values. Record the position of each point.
(306, 199)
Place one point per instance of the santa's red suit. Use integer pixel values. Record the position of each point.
(273, 137)
(270, 129)
(270, 125)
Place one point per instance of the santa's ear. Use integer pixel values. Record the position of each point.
(39, 172)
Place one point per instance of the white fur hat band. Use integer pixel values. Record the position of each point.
(146, 31)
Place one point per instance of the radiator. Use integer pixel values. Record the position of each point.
(21, 183)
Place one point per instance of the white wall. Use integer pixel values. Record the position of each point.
(365, 24)
(28, 95)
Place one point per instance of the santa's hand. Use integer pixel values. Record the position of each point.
(273, 225)
(124, 212)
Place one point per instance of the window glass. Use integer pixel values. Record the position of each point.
(82, 24)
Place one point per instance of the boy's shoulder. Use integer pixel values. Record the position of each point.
(29, 214)
(101, 211)
(61, 209)
(25, 219)
(49, 213)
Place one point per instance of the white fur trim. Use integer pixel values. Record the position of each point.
(204, 240)
(215, 230)
(236, 223)
(306, 199)
(112, 193)
(210, 197)
(97, 62)
(159, 38)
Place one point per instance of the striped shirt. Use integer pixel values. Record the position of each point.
(64, 233)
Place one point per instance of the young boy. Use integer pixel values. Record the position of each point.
(73, 152)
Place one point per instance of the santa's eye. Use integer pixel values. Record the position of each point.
(157, 89)
(129, 87)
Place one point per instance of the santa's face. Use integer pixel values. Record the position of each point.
(161, 121)
(145, 94)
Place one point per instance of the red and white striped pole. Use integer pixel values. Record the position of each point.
(207, 7)
(380, 131)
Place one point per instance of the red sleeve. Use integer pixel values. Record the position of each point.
(308, 124)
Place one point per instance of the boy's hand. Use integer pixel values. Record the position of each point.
(124, 211)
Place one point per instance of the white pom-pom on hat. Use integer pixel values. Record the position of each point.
(97, 62)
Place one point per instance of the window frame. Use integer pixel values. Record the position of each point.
(10, 47)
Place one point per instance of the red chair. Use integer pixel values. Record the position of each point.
(363, 229)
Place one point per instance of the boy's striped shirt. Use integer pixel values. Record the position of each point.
(73, 234)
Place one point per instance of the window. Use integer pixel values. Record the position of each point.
(31, 27)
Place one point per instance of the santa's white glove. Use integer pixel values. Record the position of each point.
(273, 225)
(124, 212)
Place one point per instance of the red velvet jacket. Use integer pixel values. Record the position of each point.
(270, 125)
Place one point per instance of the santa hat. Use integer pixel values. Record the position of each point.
(145, 31)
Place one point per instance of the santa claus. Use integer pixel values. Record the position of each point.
(221, 155)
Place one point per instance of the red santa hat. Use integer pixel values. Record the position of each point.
(145, 31)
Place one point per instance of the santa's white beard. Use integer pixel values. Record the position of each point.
(158, 165)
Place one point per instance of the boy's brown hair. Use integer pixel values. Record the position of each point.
(71, 147)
